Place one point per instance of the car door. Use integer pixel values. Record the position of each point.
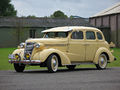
(76, 50)
(90, 45)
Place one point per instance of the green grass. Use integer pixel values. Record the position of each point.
(4, 52)
(116, 63)
(4, 65)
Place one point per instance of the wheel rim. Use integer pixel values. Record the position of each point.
(54, 63)
(102, 61)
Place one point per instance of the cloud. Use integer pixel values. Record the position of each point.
(41, 8)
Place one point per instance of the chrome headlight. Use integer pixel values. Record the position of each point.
(22, 45)
(37, 45)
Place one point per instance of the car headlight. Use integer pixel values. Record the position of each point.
(37, 45)
(22, 45)
(17, 57)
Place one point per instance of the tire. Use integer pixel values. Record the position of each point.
(52, 63)
(102, 62)
(71, 67)
(18, 67)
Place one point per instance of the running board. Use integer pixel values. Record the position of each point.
(82, 63)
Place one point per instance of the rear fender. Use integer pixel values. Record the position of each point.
(100, 51)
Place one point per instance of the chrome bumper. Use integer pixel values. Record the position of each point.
(25, 61)
(12, 60)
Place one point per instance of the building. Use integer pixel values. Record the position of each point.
(108, 21)
(13, 31)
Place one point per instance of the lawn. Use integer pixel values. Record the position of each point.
(4, 65)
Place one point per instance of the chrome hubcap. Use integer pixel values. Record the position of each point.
(102, 61)
(54, 63)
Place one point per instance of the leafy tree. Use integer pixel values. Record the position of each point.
(58, 14)
(6, 8)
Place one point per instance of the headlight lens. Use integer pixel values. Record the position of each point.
(22, 45)
(37, 45)
(27, 56)
(17, 57)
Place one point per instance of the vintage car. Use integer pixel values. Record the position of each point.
(63, 46)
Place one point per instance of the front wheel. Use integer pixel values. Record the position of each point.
(19, 67)
(52, 63)
(102, 62)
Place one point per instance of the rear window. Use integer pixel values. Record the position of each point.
(99, 36)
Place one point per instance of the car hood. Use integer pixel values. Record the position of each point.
(48, 40)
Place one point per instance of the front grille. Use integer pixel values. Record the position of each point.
(28, 48)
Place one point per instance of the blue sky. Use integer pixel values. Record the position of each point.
(41, 8)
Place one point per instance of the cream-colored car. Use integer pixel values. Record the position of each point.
(63, 46)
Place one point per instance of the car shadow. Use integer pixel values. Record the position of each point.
(64, 70)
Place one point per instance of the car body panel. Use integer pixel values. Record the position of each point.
(47, 52)
(78, 53)
(19, 52)
(69, 50)
(103, 50)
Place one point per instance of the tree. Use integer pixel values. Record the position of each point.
(6, 8)
(31, 16)
(58, 14)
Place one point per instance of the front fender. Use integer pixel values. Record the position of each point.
(100, 51)
(43, 55)
(20, 52)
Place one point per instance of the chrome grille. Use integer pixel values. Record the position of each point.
(28, 48)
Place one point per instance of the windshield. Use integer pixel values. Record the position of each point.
(56, 35)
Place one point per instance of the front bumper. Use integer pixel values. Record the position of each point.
(30, 62)
(25, 61)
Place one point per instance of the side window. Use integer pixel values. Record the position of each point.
(62, 34)
(50, 35)
(99, 36)
(77, 35)
(90, 35)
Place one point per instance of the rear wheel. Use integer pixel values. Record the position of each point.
(71, 67)
(19, 67)
(102, 62)
(52, 63)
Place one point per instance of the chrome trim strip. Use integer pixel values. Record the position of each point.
(56, 44)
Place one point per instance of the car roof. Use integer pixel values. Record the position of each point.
(69, 28)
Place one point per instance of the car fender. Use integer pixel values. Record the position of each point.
(43, 55)
(100, 51)
(19, 52)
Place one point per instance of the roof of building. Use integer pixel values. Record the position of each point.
(69, 28)
(41, 22)
(112, 10)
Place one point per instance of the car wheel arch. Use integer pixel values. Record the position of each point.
(59, 58)
(99, 52)
(63, 59)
